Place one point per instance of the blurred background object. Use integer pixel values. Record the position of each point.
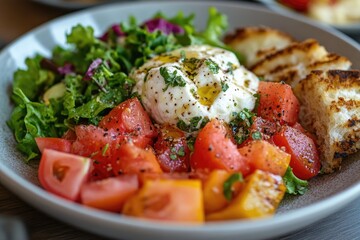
(337, 12)
(20, 16)
(12, 228)
(343, 15)
(74, 4)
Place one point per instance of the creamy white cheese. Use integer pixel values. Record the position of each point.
(195, 81)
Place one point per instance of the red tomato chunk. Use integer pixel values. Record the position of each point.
(278, 103)
(58, 144)
(130, 118)
(215, 149)
(171, 150)
(109, 194)
(132, 159)
(304, 156)
(63, 174)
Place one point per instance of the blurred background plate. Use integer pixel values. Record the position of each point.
(74, 4)
(352, 29)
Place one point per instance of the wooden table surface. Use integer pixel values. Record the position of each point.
(20, 16)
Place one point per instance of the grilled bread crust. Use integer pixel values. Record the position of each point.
(330, 108)
(257, 42)
(294, 62)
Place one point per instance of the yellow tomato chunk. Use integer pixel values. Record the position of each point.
(260, 197)
(169, 200)
(267, 157)
(213, 190)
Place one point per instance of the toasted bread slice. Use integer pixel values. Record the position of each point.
(293, 74)
(303, 53)
(330, 108)
(295, 62)
(257, 42)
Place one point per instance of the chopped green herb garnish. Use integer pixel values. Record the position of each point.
(228, 184)
(213, 66)
(256, 135)
(230, 68)
(181, 152)
(190, 141)
(224, 86)
(173, 156)
(195, 124)
(182, 56)
(241, 124)
(93, 154)
(176, 153)
(171, 78)
(106, 147)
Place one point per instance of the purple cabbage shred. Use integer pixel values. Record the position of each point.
(163, 25)
(117, 31)
(104, 37)
(68, 68)
(93, 66)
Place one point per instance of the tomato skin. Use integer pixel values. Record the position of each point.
(132, 159)
(200, 175)
(278, 103)
(69, 135)
(215, 149)
(58, 144)
(260, 125)
(109, 194)
(63, 174)
(304, 156)
(130, 118)
(266, 157)
(265, 127)
(298, 5)
(301, 129)
(97, 144)
(213, 190)
(171, 150)
(168, 200)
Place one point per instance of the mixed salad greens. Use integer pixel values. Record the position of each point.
(82, 83)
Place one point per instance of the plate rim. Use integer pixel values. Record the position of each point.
(22, 187)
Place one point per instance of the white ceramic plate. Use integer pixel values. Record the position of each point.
(327, 194)
(353, 28)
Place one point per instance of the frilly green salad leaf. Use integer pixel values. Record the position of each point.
(294, 185)
(91, 90)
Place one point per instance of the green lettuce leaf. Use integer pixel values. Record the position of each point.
(33, 80)
(29, 120)
(82, 37)
(216, 26)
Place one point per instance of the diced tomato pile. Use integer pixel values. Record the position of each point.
(129, 166)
